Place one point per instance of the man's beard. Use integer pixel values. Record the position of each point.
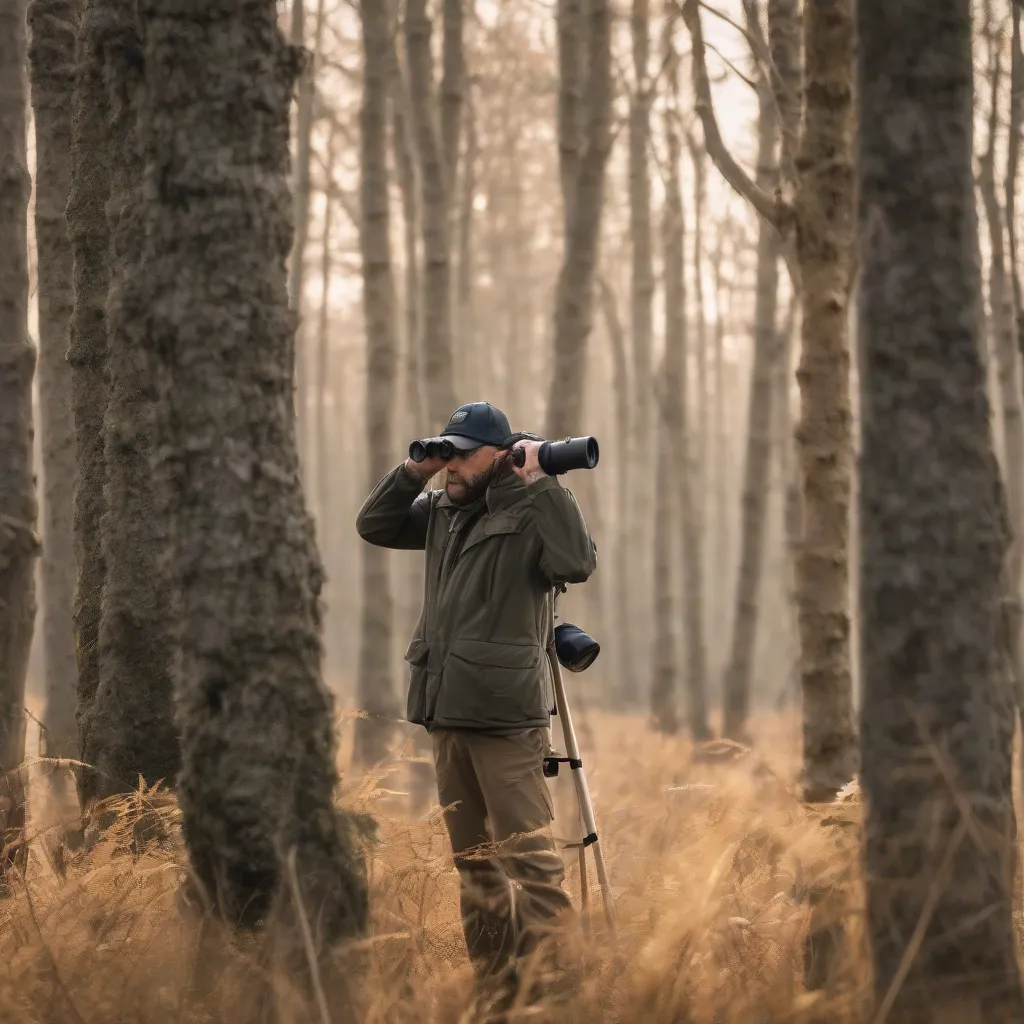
(461, 491)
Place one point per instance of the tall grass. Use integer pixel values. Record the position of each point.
(711, 860)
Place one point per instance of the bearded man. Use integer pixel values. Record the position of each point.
(498, 539)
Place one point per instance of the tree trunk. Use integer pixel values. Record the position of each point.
(87, 342)
(472, 354)
(574, 290)
(1013, 163)
(936, 714)
(640, 463)
(53, 25)
(700, 432)
(824, 210)
(376, 685)
(435, 163)
(128, 729)
(624, 668)
(722, 543)
(324, 465)
(19, 545)
(677, 405)
(664, 697)
(1003, 331)
(757, 460)
(306, 92)
(259, 776)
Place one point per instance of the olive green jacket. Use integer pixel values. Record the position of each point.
(478, 654)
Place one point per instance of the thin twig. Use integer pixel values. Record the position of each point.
(307, 939)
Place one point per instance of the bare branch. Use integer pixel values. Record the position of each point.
(727, 166)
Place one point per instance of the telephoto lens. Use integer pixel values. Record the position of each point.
(557, 457)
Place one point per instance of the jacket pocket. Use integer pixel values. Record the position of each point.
(489, 684)
(416, 702)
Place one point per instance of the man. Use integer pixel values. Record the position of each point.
(498, 539)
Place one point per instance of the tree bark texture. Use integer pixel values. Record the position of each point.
(87, 343)
(824, 217)
(376, 680)
(259, 775)
(19, 544)
(574, 290)
(936, 715)
(54, 25)
(128, 728)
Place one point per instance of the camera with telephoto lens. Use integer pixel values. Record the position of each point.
(431, 448)
(558, 457)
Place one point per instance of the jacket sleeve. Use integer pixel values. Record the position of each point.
(396, 513)
(567, 553)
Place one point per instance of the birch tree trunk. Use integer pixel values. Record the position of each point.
(87, 343)
(259, 777)
(376, 687)
(936, 715)
(128, 729)
(53, 25)
(19, 545)
(824, 212)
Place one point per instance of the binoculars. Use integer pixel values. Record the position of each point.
(431, 448)
(555, 457)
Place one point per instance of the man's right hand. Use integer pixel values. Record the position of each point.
(425, 469)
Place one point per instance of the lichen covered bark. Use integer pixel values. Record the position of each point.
(128, 729)
(936, 718)
(259, 773)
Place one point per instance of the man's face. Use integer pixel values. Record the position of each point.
(467, 476)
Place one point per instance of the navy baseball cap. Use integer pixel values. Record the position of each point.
(476, 424)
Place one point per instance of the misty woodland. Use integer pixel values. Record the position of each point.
(335, 687)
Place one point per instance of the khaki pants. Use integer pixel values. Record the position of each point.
(498, 787)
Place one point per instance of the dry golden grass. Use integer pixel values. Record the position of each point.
(709, 862)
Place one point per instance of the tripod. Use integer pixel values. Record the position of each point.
(586, 808)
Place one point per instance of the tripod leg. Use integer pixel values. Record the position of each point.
(582, 790)
(584, 886)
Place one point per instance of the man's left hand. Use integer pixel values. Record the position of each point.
(530, 471)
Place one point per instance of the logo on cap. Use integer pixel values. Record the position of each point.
(458, 417)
